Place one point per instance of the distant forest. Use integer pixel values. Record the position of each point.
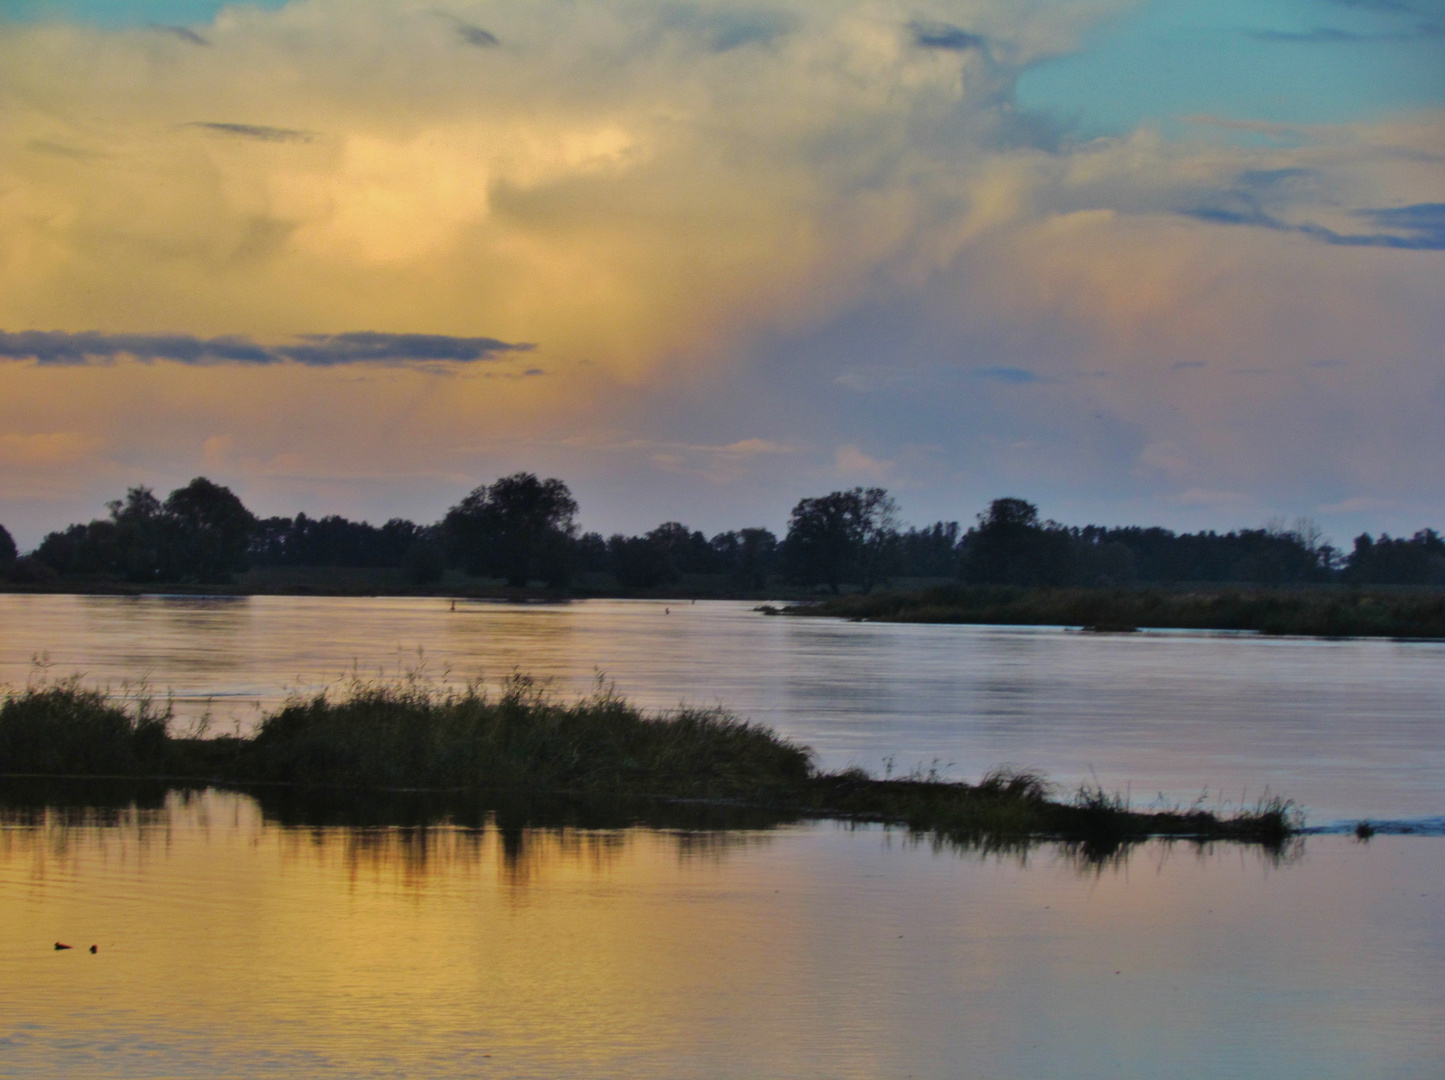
(522, 530)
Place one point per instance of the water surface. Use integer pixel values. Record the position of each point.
(231, 945)
(1350, 729)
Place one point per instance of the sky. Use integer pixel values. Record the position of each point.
(1138, 262)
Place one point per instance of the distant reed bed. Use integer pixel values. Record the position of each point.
(1307, 612)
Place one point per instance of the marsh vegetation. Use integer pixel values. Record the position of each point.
(371, 740)
(1318, 613)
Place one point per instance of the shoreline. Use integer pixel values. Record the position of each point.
(1318, 613)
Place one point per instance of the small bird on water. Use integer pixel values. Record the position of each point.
(94, 949)
(59, 946)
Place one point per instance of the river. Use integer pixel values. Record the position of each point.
(233, 940)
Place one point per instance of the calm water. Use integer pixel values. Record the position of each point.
(232, 944)
(1349, 729)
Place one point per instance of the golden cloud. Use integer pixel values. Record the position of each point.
(648, 192)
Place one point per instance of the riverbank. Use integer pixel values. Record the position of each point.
(362, 582)
(1306, 612)
(412, 736)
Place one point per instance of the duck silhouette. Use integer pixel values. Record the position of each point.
(94, 949)
(59, 946)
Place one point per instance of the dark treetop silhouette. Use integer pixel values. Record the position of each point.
(523, 530)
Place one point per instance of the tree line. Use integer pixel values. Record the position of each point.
(523, 530)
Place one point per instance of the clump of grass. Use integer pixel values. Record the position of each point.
(1008, 807)
(415, 735)
(66, 728)
(369, 738)
(1004, 804)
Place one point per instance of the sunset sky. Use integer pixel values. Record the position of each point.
(1165, 262)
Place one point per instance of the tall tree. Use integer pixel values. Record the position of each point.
(844, 536)
(8, 552)
(518, 528)
(1010, 546)
(209, 530)
(757, 550)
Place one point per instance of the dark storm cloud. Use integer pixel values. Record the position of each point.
(54, 348)
(1411, 228)
(1425, 220)
(325, 350)
(476, 36)
(1257, 197)
(938, 35)
(185, 33)
(260, 132)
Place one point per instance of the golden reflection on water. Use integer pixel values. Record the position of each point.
(231, 944)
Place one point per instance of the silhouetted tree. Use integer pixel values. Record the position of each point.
(8, 551)
(206, 530)
(589, 554)
(518, 528)
(425, 561)
(140, 543)
(757, 553)
(844, 536)
(200, 533)
(746, 556)
(1273, 556)
(334, 541)
(1010, 546)
(687, 550)
(1419, 560)
(930, 552)
(638, 562)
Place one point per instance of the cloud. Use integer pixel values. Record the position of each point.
(1262, 198)
(1196, 496)
(1424, 223)
(259, 132)
(476, 36)
(742, 448)
(1012, 375)
(185, 33)
(45, 146)
(723, 219)
(937, 35)
(722, 30)
(47, 448)
(851, 462)
(1356, 505)
(312, 350)
(1332, 35)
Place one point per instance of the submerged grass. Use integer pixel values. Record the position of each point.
(414, 736)
(1310, 612)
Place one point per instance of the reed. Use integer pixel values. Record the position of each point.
(66, 728)
(370, 741)
(413, 735)
(1309, 612)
